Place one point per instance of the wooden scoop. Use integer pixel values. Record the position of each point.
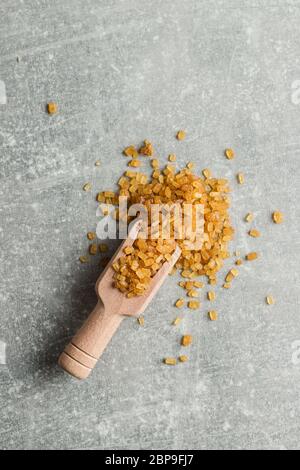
(82, 353)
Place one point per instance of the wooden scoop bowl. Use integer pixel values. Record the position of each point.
(82, 353)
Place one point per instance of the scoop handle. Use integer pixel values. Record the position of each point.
(82, 353)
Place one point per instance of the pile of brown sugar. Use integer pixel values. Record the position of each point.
(139, 263)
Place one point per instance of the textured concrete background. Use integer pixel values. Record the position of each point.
(122, 70)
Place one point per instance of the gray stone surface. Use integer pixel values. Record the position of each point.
(227, 71)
